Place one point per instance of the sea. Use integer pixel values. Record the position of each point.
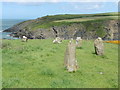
(7, 23)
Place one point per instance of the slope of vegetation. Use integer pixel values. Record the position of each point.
(67, 19)
(88, 19)
(39, 64)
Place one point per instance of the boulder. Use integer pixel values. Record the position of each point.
(99, 46)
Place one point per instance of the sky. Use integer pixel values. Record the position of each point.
(33, 10)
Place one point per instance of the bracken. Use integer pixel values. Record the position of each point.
(115, 42)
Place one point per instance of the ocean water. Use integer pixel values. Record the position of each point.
(7, 23)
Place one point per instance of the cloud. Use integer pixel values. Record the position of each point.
(87, 5)
(59, 1)
(96, 6)
(76, 7)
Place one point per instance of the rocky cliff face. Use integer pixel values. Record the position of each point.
(107, 29)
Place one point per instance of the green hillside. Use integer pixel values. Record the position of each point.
(67, 19)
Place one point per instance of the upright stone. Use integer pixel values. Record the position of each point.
(78, 42)
(70, 61)
(24, 39)
(99, 46)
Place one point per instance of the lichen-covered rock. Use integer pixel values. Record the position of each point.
(99, 46)
(70, 61)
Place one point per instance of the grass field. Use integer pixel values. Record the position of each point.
(40, 64)
(88, 19)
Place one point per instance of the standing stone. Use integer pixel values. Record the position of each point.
(24, 39)
(70, 61)
(57, 40)
(99, 47)
(78, 42)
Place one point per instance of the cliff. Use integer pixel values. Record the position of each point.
(87, 26)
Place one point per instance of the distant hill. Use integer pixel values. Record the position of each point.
(87, 26)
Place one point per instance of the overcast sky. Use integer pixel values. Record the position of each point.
(33, 10)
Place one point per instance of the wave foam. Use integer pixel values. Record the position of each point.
(1, 31)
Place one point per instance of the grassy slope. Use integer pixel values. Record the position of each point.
(39, 64)
(88, 19)
(57, 20)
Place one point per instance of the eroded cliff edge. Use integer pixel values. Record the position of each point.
(88, 26)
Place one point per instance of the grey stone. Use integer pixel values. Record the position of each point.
(99, 46)
(70, 61)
